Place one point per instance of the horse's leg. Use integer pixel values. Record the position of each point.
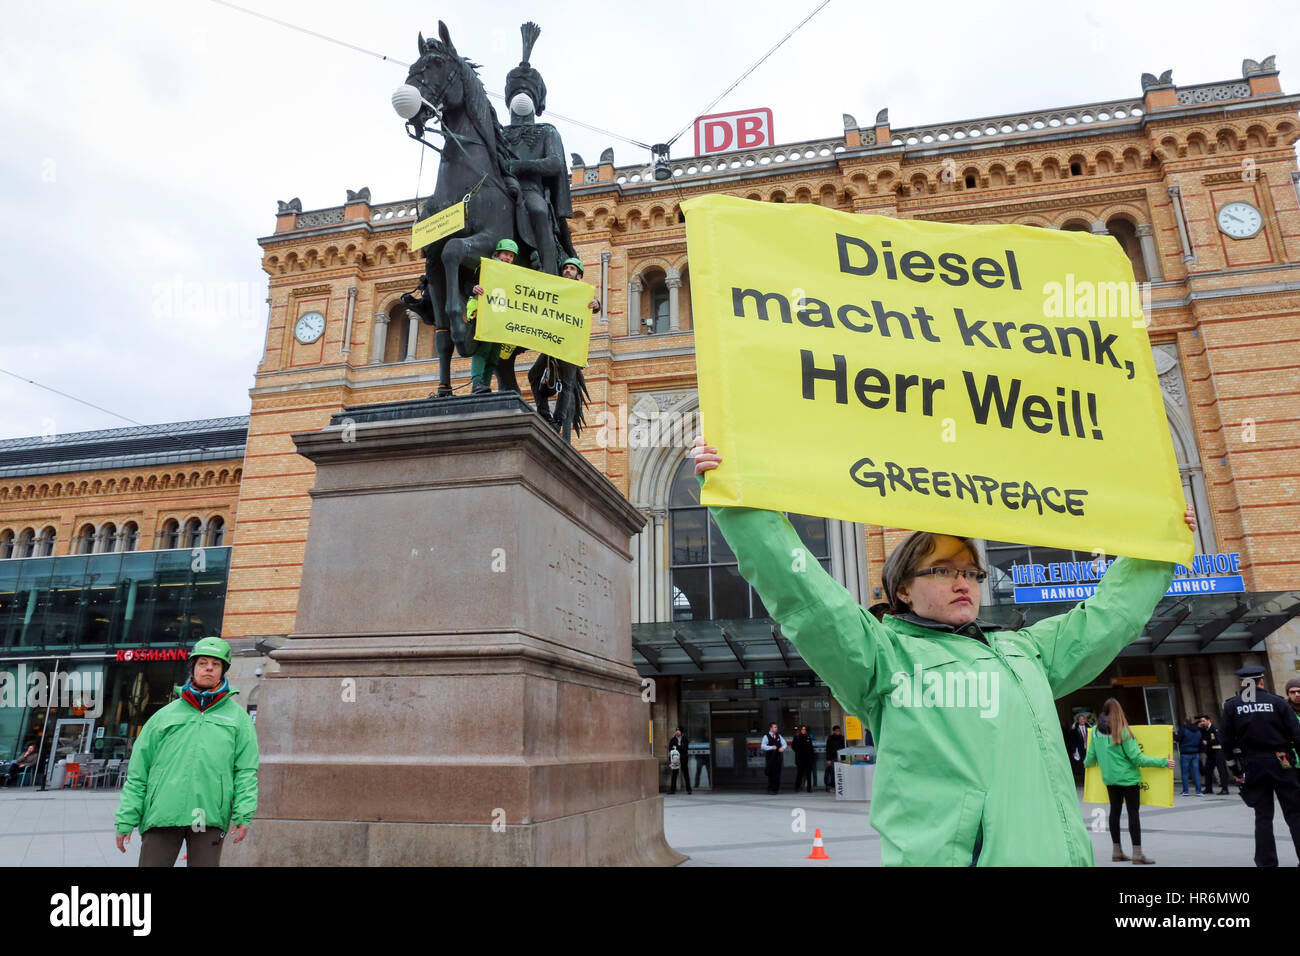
(441, 337)
(456, 252)
(507, 380)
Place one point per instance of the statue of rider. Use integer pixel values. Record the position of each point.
(544, 206)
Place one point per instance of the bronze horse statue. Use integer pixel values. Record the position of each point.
(475, 157)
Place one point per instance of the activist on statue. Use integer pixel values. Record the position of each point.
(959, 782)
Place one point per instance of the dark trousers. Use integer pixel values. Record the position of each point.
(1264, 778)
(686, 780)
(1216, 764)
(1119, 796)
(774, 763)
(159, 846)
(803, 775)
(829, 777)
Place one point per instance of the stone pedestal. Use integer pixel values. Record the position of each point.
(459, 687)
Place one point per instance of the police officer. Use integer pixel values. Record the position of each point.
(1261, 733)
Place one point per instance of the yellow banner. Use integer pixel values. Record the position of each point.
(524, 307)
(987, 381)
(443, 223)
(1156, 740)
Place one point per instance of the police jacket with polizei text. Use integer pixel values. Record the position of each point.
(947, 772)
(1265, 725)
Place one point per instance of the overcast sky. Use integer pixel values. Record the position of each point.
(144, 143)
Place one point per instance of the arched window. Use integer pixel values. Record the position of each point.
(26, 539)
(193, 534)
(45, 543)
(129, 539)
(86, 539)
(655, 282)
(705, 580)
(1125, 234)
(108, 537)
(6, 544)
(171, 534)
(216, 531)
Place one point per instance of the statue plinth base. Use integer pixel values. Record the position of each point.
(459, 687)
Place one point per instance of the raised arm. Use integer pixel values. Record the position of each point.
(844, 644)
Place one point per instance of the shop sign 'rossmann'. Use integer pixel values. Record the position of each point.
(1077, 580)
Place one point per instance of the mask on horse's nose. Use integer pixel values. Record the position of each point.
(407, 101)
(522, 105)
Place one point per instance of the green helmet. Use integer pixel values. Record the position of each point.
(508, 245)
(572, 261)
(212, 647)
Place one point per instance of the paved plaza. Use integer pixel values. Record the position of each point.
(715, 829)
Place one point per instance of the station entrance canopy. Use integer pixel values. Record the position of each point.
(1193, 624)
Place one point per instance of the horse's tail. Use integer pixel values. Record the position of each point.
(581, 398)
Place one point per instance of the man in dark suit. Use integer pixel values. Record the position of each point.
(1076, 743)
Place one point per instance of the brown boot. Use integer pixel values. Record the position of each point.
(1117, 855)
(1138, 857)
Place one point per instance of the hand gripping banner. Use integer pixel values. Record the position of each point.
(988, 381)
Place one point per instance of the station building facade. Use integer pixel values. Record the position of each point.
(114, 554)
(1152, 170)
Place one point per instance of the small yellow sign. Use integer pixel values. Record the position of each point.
(1156, 740)
(852, 728)
(443, 223)
(524, 307)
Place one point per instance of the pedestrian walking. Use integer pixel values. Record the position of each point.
(834, 744)
(974, 781)
(1215, 763)
(678, 751)
(193, 774)
(1261, 735)
(804, 757)
(1116, 751)
(1189, 739)
(1076, 743)
(772, 748)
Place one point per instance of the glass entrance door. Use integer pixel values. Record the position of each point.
(71, 736)
(733, 725)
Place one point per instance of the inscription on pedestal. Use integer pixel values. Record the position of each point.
(584, 586)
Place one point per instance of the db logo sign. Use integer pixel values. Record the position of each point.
(723, 132)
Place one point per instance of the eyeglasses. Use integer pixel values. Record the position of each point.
(949, 574)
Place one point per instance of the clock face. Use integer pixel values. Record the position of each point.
(1240, 220)
(309, 327)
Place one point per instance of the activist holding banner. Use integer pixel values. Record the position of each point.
(1115, 751)
(969, 766)
(992, 381)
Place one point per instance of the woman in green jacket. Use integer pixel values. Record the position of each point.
(1114, 748)
(970, 763)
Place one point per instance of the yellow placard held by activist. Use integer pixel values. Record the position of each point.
(1156, 740)
(445, 222)
(988, 381)
(524, 307)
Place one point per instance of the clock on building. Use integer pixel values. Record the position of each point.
(1240, 220)
(309, 327)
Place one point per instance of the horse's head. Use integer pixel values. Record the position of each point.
(439, 75)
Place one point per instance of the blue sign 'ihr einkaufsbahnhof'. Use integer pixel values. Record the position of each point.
(1077, 580)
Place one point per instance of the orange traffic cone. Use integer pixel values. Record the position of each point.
(819, 851)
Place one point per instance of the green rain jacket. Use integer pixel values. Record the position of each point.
(1119, 764)
(186, 761)
(966, 733)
